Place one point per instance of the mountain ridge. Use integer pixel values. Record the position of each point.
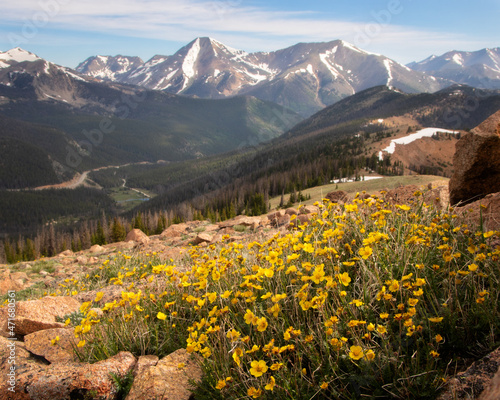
(479, 68)
(319, 73)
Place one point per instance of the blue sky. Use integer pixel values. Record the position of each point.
(68, 31)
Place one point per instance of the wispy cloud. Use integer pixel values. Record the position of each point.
(230, 21)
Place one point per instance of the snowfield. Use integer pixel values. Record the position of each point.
(426, 132)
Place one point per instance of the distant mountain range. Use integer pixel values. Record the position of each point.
(305, 77)
(75, 122)
(480, 69)
(61, 114)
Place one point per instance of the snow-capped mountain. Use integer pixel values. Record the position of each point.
(111, 68)
(478, 68)
(305, 77)
(15, 56)
(31, 76)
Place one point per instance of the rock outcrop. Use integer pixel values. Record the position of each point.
(485, 211)
(40, 344)
(477, 163)
(12, 281)
(168, 379)
(37, 315)
(68, 380)
(479, 381)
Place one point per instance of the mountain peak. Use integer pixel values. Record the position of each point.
(350, 46)
(18, 55)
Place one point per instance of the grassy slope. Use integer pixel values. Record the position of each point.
(386, 183)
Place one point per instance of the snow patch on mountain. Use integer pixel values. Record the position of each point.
(333, 70)
(67, 71)
(190, 60)
(426, 132)
(256, 77)
(458, 59)
(387, 64)
(46, 69)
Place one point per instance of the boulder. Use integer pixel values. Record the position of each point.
(111, 292)
(282, 221)
(338, 196)
(66, 253)
(240, 220)
(402, 194)
(39, 343)
(144, 363)
(309, 210)
(202, 238)
(36, 315)
(479, 381)
(136, 235)
(291, 211)
(13, 281)
(96, 249)
(301, 220)
(476, 163)
(69, 380)
(174, 231)
(82, 260)
(493, 390)
(212, 228)
(486, 210)
(168, 379)
(12, 348)
(274, 216)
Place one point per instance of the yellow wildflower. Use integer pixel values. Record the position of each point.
(262, 324)
(161, 316)
(271, 384)
(276, 366)
(344, 279)
(221, 384)
(356, 353)
(255, 393)
(365, 252)
(258, 368)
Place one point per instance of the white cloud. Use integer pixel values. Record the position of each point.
(229, 21)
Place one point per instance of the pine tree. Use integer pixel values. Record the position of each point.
(118, 232)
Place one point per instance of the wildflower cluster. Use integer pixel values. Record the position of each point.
(369, 298)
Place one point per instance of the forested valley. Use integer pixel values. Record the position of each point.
(215, 188)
